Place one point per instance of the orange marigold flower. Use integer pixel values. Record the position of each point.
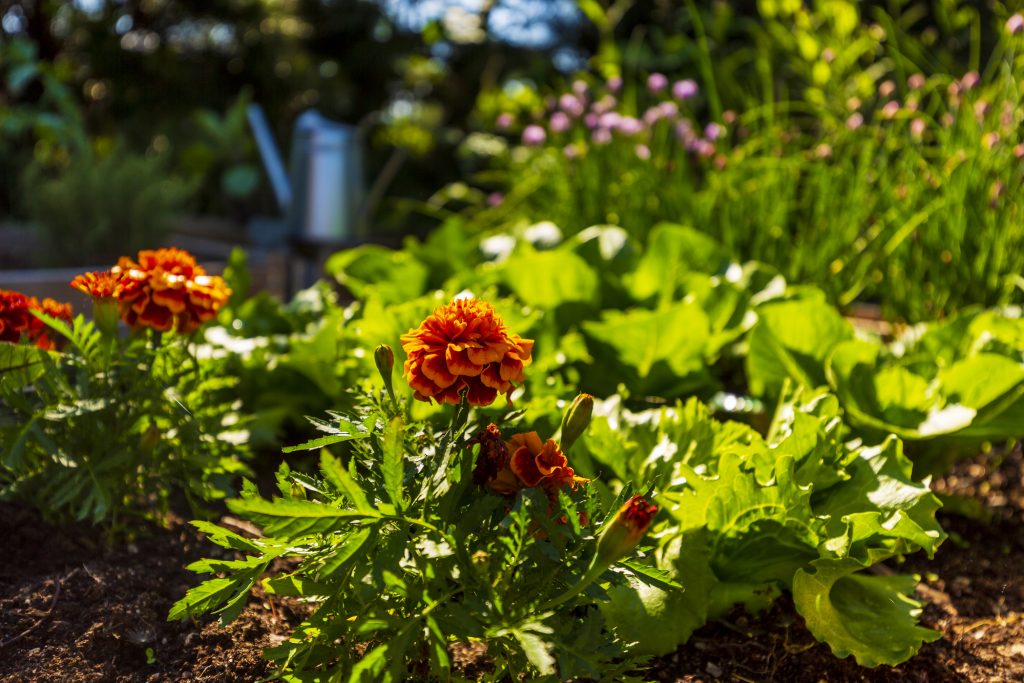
(106, 284)
(171, 291)
(17, 323)
(464, 347)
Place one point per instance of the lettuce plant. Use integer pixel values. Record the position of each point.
(947, 388)
(801, 510)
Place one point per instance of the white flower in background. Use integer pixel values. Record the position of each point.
(462, 26)
(543, 234)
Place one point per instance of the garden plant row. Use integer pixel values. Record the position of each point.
(738, 439)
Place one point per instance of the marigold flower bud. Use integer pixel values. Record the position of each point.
(384, 358)
(621, 535)
(576, 420)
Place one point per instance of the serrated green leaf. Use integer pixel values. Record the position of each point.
(293, 518)
(341, 479)
(393, 465)
(536, 648)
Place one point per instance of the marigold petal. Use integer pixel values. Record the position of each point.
(480, 395)
(487, 354)
(491, 377)
(524, 464)
(512, 369)
(435, 369)
(459, 363)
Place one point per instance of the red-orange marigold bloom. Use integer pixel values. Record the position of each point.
(16, 321)
(171, 291)
(106, 284)
(464, 346)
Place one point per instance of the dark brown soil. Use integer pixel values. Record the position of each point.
(70, 611)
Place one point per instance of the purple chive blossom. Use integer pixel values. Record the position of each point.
(643, 152)
(713, 131)
(630, 126)
(1015, 24)
(917, 128)
(505, 121)
(890, 109)
(580, 87)
(609, 120)
(651, 116)
(571, 152)
(669, 110)
(657, 82)
(684, 132)
(981, 110)
(560, 122)
(704, 148)
(602, 136)
(614, 84)
(591, 119)
(886, 88)
(605, 104)
(495, 199)
(915, 81)
(571, 105)
(970, 80)
(855, 121)
(684, 89)
(534, 135)
(1018, 151)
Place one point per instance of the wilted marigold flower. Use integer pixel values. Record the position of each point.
(464, 346)
(17, 322)
(524, 461)
(171, 291)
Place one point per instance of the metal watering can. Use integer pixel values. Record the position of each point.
(323, 195)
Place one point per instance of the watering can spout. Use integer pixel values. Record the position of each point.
(272, 159)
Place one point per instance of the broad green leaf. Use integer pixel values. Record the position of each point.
(673, 250)
(872, 618)
(547, 279)
(659, 346)
(395, 276)
(791, 340)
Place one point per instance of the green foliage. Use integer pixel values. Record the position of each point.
(945, 388)
(403, 555)
(748, 517)
(101, 206)
(111, 431)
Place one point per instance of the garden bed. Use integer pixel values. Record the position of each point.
(71, 611)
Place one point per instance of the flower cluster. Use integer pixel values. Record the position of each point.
(164, 289)
(523, 461)
(582, 118)
(464, 348)
(18, 323)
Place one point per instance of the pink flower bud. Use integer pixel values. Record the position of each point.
(505, 121)
(1015, 24)
(855, 121)
(657, 82)
(614, 84)
(534, 135)
(559, 122)
(684, 89)
(643, 152)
